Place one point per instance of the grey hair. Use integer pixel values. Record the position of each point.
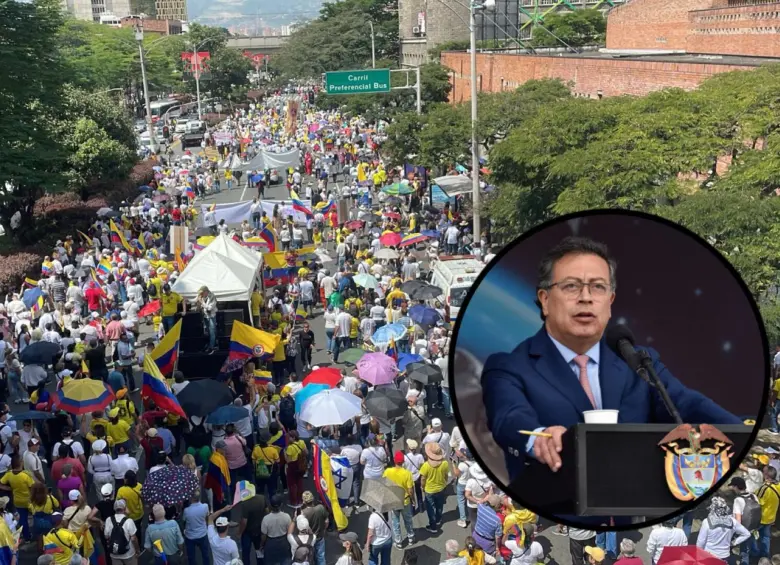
(45, 560)
(75, 559)
(572, 246)
(771, 471)
(452, 547)
(627, 547)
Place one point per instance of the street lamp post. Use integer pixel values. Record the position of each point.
(475, 195)
(139, 37)
(196, 72)
(373, 45)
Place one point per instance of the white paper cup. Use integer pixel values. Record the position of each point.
(601, 416)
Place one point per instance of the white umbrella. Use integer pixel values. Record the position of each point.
(323, 257)
(330, 408)
(386, 253)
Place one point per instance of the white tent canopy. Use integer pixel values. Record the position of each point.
(227, 268)
(454, 185)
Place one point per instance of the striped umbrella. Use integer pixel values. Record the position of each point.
(83, 396)
(412, 239)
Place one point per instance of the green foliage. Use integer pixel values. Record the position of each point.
(229, 70)
(460, 45)
(581, 27)
(340, 39)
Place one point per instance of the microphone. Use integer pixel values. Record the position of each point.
(620, 340)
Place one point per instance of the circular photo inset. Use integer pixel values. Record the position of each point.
(610, 370)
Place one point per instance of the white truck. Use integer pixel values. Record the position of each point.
(454, 275)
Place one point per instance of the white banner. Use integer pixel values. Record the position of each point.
(232, 212)
(343, 476)
(282, 161)
(286, 209)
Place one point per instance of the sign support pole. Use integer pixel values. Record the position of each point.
(407, 86)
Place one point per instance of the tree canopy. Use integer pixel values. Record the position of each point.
(586, 26)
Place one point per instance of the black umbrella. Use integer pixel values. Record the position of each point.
(169, 485)
(40, 353)
(424, 373)
(201, 398)
(386, 403)
(425, 291)
(200, 232)
(107, 213)
(382, 495)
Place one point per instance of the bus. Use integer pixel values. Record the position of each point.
(161, 107)
(455, 274)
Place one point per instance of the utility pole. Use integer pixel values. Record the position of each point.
(139, 37)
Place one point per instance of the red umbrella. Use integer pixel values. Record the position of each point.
(150, 309)
(390, 239)
(687, 555)
(354, 224)
(392, 215)
(326, 376)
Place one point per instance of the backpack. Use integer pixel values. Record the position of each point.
(261, 468)
(751, 515)
(287, 412)
(304, 551)
(151, 290)
(69, 444)
(118, 542)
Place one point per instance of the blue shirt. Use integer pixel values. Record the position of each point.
(195, 521)
(594, 355)
(116, 381)
(168, 533)
(168, 439)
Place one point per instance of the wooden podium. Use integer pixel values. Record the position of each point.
(610, 470)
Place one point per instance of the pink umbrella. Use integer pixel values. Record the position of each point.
(377, 368)
(390, 239)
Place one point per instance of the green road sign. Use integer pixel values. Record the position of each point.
(366, 81)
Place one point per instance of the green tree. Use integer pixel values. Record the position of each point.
(31, 77)
(581, 27)
(229, 70)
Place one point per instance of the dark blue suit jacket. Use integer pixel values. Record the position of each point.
(534, 387)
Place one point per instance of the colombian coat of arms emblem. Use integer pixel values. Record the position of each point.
(695, 459)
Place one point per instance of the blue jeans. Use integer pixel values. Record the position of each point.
(773, 416)
(761, 547)
(434, 503)
(319, 552)
(744, 551)
(329, 339)
(357, 482)
(395, 522)
(687, 524)
(24, 519)
(339, 344)
(210, 325)
(460, 490)
(190, 545)
(246, 546)
(446, 400)
(15, 389)
(168, 323)
(380, 553)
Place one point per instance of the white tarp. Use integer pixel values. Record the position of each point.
(454, 184)
(227, 268)
(236, 212)
(268, 160)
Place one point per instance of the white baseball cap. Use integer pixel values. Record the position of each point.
(436, 423)
(221, 521)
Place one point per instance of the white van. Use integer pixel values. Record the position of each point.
(454, 275)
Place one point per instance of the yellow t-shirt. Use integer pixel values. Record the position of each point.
(279, 354)
(170, 303)
(126, 411)
(67, 541)
(157, 282)
(317, 238)
(48, 507)
(769, 498)
(396, 294)
(403, 479)
(776, 387)
(119, 431)
(303, 272)
(294, 450)
(435, 477)
(132, 497)
(269, 454)
(257, 301)
(354, 327)
(20, 484)
(350, 301)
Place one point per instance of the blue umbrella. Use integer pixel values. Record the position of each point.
(229, 414)
(431, 233)
(256, 178)
(405, 358)
(145, 188)
(388, 332)
(307, 392)
(425, 316)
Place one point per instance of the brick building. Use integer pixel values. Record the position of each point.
(651, 45)
(154, 25)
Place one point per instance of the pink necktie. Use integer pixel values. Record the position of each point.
(582, 363)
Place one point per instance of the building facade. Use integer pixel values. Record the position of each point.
(98, 11)
(171, 9)
(153, 25)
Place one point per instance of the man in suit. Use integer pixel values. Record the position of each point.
(551, 378)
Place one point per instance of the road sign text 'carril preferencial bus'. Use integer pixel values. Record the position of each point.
(366, 81)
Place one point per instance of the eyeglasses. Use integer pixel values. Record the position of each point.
(572, 288)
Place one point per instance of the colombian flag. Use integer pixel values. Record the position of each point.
(139, 245)
(279, 440)
(104, 268)
(268, 234)
(189, 193)
(159, 550)
(117, 236)
(179, 259)
(30, 283)
(323, 479)
(247, 342)
(156, 388)
(392, 350)
(262, 378)
(298, 204)
(167, 351)
(47, 269)
(218, 477)
(86, 238)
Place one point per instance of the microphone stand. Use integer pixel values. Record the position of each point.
(647, 372)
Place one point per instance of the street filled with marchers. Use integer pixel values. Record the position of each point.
(244, 358)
